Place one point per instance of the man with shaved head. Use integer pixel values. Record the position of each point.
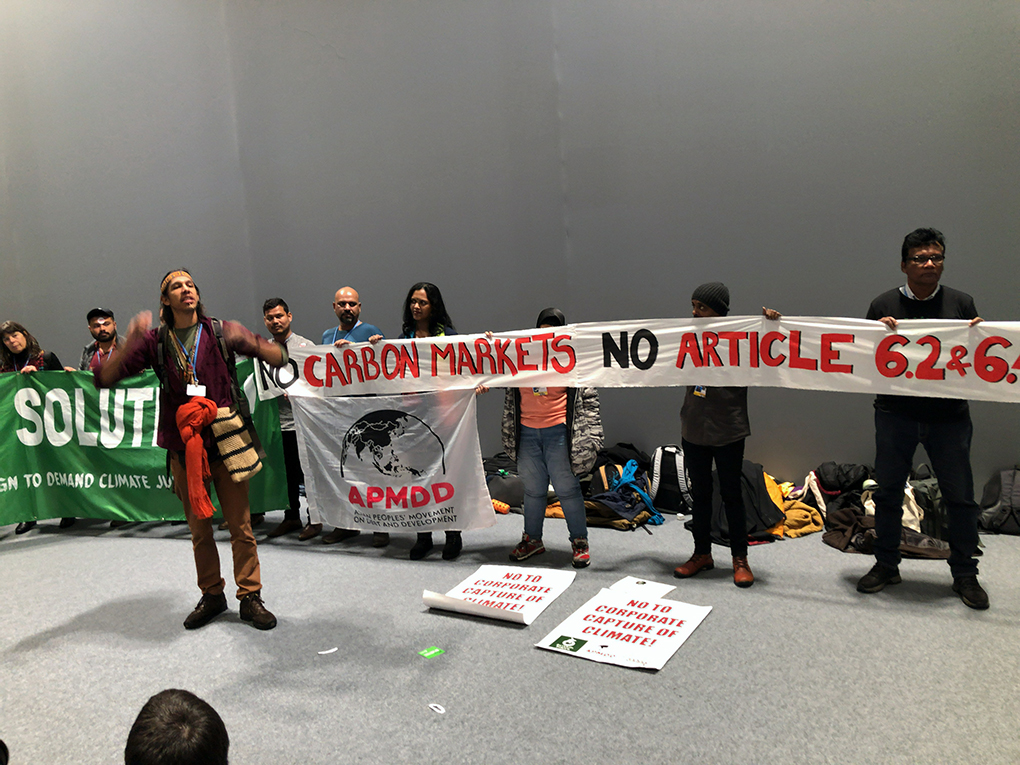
(347, 307)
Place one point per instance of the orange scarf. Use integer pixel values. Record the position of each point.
(192, 417)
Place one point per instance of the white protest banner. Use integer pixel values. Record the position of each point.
(621, 628)
(941, 358)
(510, 593)
(394, 463)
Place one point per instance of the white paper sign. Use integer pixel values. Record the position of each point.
(620, 628)
(510, 593)
(642, 587)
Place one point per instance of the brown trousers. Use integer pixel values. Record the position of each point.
(234, 504)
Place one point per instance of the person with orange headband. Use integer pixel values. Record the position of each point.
(196, 378)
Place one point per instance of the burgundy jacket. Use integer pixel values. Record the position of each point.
(211, 370)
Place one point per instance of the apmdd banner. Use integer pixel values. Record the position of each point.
(394, 463)
(67, 449)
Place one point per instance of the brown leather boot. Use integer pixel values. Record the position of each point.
(742, 576)
(694, 565)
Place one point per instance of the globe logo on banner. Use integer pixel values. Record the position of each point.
(394, 443)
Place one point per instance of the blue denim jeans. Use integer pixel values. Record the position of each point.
(543, 457)
(948, 447)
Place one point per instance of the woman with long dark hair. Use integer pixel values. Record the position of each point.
(425, 315)
(20, 352)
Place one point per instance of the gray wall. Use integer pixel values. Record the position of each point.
(602, 156)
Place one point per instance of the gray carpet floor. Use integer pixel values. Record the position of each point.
(798, 669)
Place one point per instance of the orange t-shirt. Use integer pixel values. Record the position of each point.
(543, 407)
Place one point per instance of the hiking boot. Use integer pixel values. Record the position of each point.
(527, 548)
(971, 593)
(254, 610)
(208, 608)
(454, 544)
(695, 564)
(742, 576)
(421, 546)
(580, 550)
(339, 535)
(879, 576)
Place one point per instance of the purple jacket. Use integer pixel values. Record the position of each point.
(210, 367)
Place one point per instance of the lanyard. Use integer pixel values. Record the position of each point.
(337, 329)
(193, 358)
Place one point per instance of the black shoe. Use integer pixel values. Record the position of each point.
(454, 544)
(422, 546)
(208, 608)
(879, 576)
(24, 526)
(66, 523)
(118, 524)
(971, 593)
(254, 610)
(257, 518)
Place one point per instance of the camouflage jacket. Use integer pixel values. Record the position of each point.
(584, 426)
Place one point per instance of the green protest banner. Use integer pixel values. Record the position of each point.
(67, 449)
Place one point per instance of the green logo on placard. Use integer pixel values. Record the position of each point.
(565, 643)
(428, 653)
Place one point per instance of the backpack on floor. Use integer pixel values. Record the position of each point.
(669, 490)
(1001, 503)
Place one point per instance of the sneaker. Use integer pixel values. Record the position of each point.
(208, 608)
(971, 593)
(454, 544)
(580, 548)
(527, 548)
(879, 576)
(310, 531)
(693, 565)
(421, 546)
(339, 535)
(742, 576)
(286, 526)
(254, 610)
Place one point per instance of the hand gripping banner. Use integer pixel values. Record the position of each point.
(938, 358)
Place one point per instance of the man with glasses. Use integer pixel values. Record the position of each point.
(941, 425)
(347, 307)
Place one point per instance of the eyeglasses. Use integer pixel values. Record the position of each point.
(920, 260)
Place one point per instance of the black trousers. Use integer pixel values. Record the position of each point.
(729, 460)
(295, 476)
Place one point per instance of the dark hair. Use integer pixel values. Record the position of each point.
(438, 319)
(176, 727)
(552, 316)
(921, 237)
(272, 303)
(31, 344)
(166, 313)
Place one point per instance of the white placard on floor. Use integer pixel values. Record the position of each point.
(643, 587)
(625, 629)
(510, 593)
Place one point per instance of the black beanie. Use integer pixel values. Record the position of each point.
(552, 316)
(715, 296)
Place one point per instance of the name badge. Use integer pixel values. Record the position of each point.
(196, 390)
(700, 391)
(540, 391)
